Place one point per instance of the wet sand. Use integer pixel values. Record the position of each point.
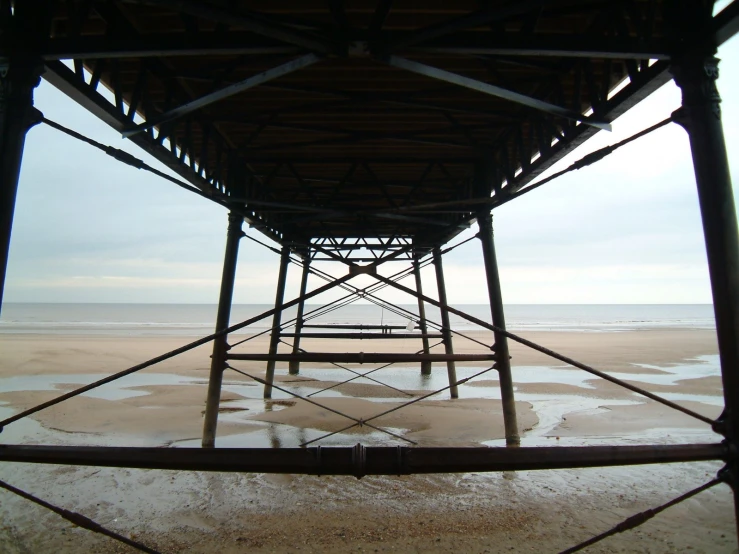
(522, 512)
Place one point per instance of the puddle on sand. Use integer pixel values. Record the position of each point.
(661, 435)
(30, 431)
(549, 409)
(116, 390)
(409, 378)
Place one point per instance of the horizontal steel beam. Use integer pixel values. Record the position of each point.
(246, 84)
(310, 159)
(156, 45)
(533, 51)
(243, 44)
(726, 23)
(493, 90)
(359, 327)
(360, 460)
(647, 82)
(418, 220)
(360, 260)
(364, 336)
(362, 357)
(539, 45)
(370, 246)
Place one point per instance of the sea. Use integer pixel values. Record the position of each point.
(199, 319)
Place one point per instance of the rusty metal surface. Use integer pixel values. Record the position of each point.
(376, 460)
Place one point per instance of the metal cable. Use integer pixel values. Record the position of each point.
(282, 325)
(449, 249)
(129, 159)
(353, 378)
(553, 354)
(291, 321)
(267, 246)
(350, 298)
(404, 405)
(369, 291)
(496, 201)
(133, 161)
(367, 373)
(328, 308)
(359, 422)
(166, 356)
(357, 373)
(360, 293)
(364, 293)
(640, 518)
(214, 195)
(78, 519)
(586, 160)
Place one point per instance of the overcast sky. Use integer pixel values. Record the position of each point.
(626, 230)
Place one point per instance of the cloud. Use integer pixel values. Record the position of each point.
(607, 284)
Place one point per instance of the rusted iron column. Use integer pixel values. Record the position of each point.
(276, 320)
(700, 115)
(426, 365)
(295, 365)
(220, 345)
(503, 365)
(446, 326)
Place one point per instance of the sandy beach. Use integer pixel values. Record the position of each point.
(521, 512)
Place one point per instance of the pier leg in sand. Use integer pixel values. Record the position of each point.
(485, 221)
(446, 327)
(295, 365)
(276, 319)
(696, 73)
(425, 365)
(220, 344)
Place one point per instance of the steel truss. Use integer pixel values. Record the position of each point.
(190, 139)
(321, 220)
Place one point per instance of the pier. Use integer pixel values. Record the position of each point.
(367, 140)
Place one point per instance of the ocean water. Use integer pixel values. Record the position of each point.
(198, 319)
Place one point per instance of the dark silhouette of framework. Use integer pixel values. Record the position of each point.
(337, 130)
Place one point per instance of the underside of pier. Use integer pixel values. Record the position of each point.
(363, 132)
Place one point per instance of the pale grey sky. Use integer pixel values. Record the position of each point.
(626, 230)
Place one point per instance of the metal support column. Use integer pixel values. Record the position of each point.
(426, 365)
(220, 345)
(295, 365)
(23, 26)
(446, 326)
(276, 320)
(19, 75)
(503, 365)
(700, 115)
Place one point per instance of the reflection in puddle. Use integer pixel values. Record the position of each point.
(275, 435)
